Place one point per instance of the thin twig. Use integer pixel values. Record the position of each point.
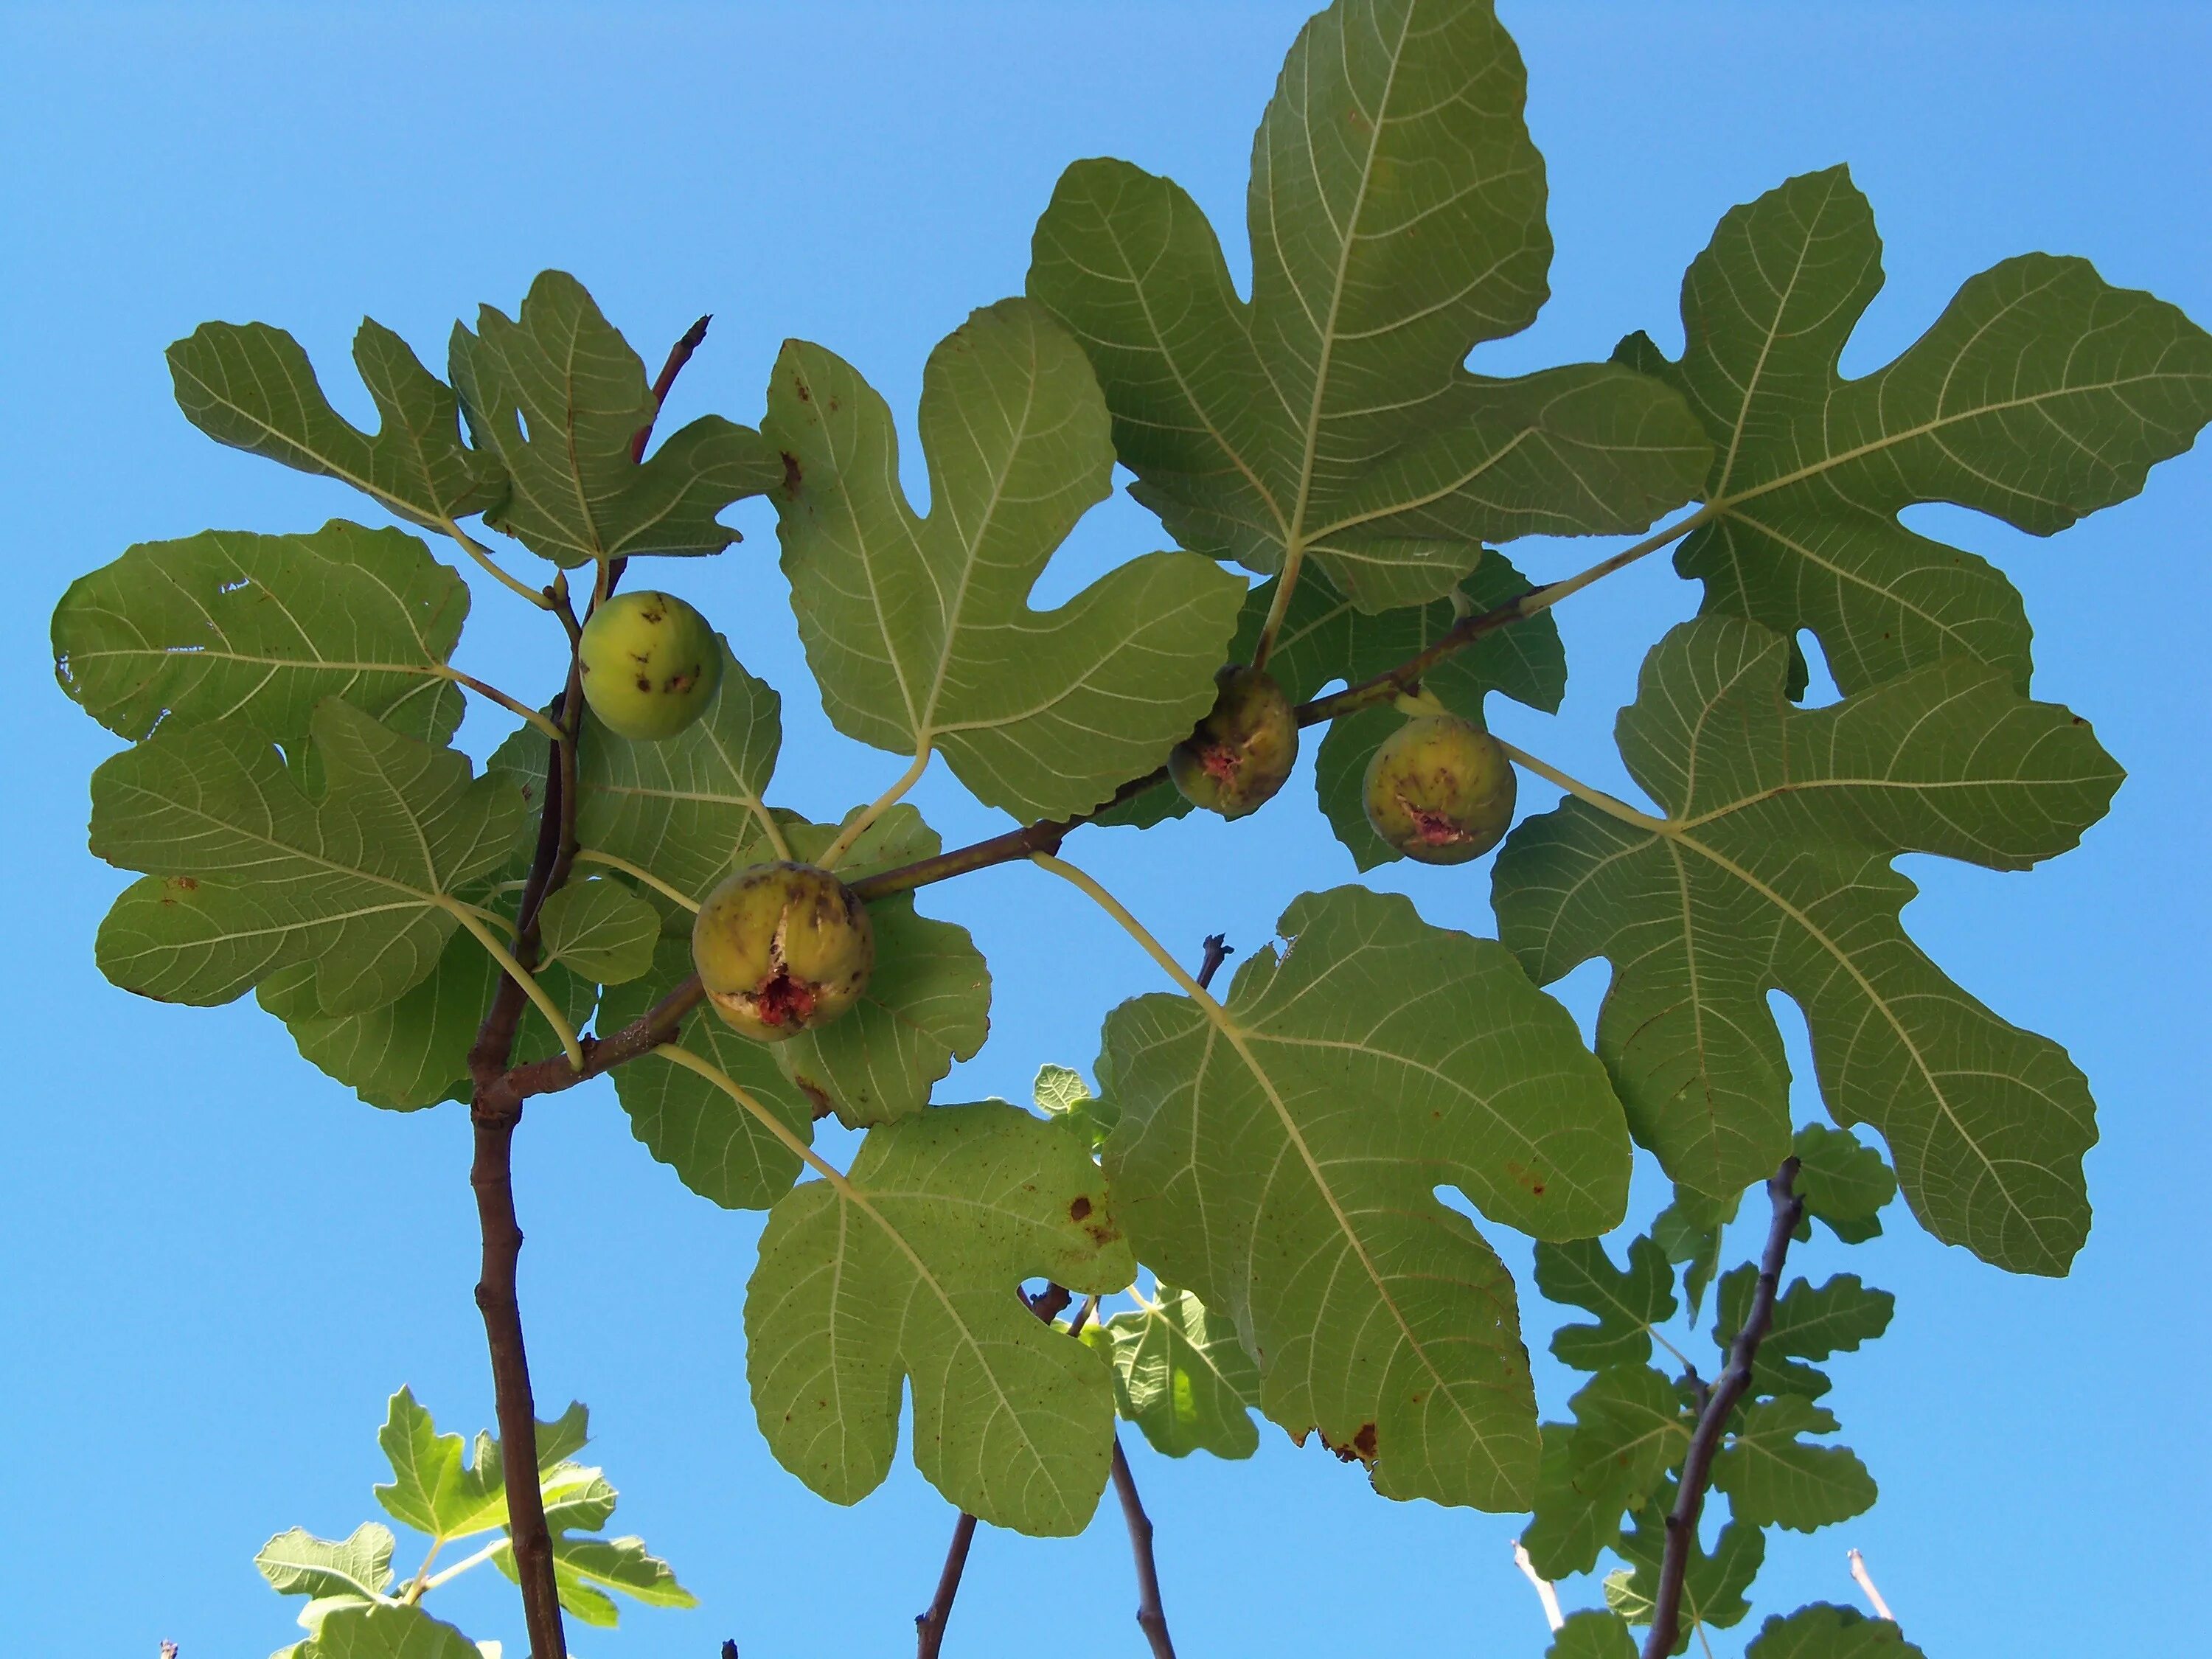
(1151, 1617)
(929, 1625)
(1545, 1593)
(1218, 950)
(678, 355)
(656, 1027)
(1733, 1383)
(1866, 1583)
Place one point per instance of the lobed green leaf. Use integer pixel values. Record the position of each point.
(2042, 394)
(253, 388)
(248, 873)
(1280, 1157)
(1628, 1303)
(1396, 218)
(257, 631)
(1771, 870)
(920, 630)
(906, 1268)
(557, 395)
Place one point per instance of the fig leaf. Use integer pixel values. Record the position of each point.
(920, 629)
(1771, 870)
(941, 1218)
(1396, 219)
(1244, 1167)
(2041, 394)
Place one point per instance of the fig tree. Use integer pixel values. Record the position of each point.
(1440, 790)
(651, 664)
(1240, 753)
(782, 948)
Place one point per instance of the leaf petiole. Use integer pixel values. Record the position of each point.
(639, 873)
(570, 1045)
(864, 819)
(476, 551)
(512, 705)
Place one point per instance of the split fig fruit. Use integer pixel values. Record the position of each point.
(651, 664)
(1440, 790)
(782, 948)
(1243, 750)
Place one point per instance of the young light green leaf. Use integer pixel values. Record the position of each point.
(1627, 1304)
(253, 388)
(1062, 1096)
(1689, 1231)
(386, 1632)
(585, 1569)
(920, 629)
(1280, 1156)
(2041, 394)
(689, 808)
(1396, 216)
(1714, 1586)
(1181, 1375)
(431, 1489)
(559, 397)
(1592, 1635)
(599, 929)
(297, 1563)
(1824, 1631)
(1843, 1182)
(257, 631)
(434, 1489)
(717, 1148)
(248, 873)
(1772, 870)
(1774, 1478)
(907, 1268)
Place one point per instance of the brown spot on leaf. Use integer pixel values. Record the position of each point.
(1360, 1448)
(1079, 1208)
(819, 1098)
(791, 472)
(1525, 1176)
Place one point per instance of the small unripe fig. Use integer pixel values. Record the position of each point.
(1241, 751)
(651, 664)
(1440, 790)
(782, 948)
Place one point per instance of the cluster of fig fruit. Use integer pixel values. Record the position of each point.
(1439, 789)
(780, 948)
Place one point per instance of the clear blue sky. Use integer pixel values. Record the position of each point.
(219, 1263)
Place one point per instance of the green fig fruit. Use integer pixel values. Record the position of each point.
(1440, 790)
(651, 664)
(1240, 753)
(782, 948)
